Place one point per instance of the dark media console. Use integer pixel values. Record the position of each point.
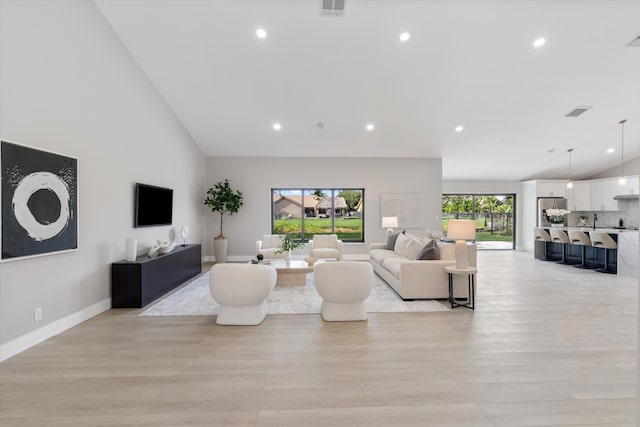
(137, 283)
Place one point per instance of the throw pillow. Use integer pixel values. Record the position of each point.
(391, 240)
(430, 252)
(400, 247)
(413, 247)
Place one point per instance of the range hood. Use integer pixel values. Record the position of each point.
(627, 197)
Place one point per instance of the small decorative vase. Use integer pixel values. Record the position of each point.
(287, 257)
(131, 249)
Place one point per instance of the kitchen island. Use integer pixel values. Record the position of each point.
(626, 259)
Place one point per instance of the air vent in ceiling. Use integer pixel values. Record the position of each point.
(332, 7)
(577, 111)
(635, 42)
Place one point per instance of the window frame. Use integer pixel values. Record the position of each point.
(334, 193)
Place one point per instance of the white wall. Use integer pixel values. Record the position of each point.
(255, 177)
(68, 85)
(630, 167)
(491, 187)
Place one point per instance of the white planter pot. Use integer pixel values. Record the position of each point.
(557, 225)
(220, 249)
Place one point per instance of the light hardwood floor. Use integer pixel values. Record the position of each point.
(549, 345)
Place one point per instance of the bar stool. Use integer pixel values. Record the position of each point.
(578, 237)
(542, 235)
(560, 236)
(601, 239)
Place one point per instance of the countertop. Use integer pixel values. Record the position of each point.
(603, 229)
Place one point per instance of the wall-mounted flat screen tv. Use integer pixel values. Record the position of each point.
(154, 206)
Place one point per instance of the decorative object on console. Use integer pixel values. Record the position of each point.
(461, 230)
(389, 222)
(221, 198)
(557, 217)
(39, 202)
(184, 233)
(161, 248)
(131, 249)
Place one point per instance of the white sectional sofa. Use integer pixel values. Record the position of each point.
(419, 279)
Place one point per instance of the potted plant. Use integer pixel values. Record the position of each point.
(288, 244)
(556, 217)
(223, 199)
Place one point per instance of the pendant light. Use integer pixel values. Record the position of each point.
(622, 180)
(570, 183)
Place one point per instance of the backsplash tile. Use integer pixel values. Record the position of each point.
(629, 213)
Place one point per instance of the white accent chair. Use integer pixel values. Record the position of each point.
(325, 246)
(242, 291)
(343, 286)
(268, 246)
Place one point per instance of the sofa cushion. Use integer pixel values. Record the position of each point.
(393, 264)
(401, 245)
(430, 251)
(381, 255)
(391, 240)
(271, 241)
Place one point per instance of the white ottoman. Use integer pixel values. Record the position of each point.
(242, 291)
(343, 286)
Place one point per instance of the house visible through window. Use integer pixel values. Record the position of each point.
(301, 213)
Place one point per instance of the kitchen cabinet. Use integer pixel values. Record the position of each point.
(602, 193)
(551, 188)
(579, 197)
(630, 187)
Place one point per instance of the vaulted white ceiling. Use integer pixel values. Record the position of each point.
(467, 63)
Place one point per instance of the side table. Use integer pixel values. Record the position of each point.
(470, 272)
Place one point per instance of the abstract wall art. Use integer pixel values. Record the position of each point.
(409, 208)
(39, 202)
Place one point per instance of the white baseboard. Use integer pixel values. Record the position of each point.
(26, 341)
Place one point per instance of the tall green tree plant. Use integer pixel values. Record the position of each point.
(223, 199)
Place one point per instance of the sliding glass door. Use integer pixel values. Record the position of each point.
(493, 213)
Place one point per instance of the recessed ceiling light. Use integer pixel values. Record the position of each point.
(610, 150)
(277, 126)
(459, 128)
(370, 127)
(261, 33)
(405, 36)
(539, 42)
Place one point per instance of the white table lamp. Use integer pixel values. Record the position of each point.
(461, 230)
(389, 222)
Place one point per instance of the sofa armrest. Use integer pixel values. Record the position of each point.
(373, 246)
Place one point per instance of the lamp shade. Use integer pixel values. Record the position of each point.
(389, 221)
(461, 229)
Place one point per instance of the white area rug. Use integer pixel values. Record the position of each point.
(194, 299)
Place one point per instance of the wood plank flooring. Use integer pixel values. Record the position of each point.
(548, 345)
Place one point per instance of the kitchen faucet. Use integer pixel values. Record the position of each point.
(595, 218)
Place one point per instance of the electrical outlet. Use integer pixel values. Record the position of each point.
(37, 314)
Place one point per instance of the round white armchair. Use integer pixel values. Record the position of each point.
(343, 286)
(242, 291)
